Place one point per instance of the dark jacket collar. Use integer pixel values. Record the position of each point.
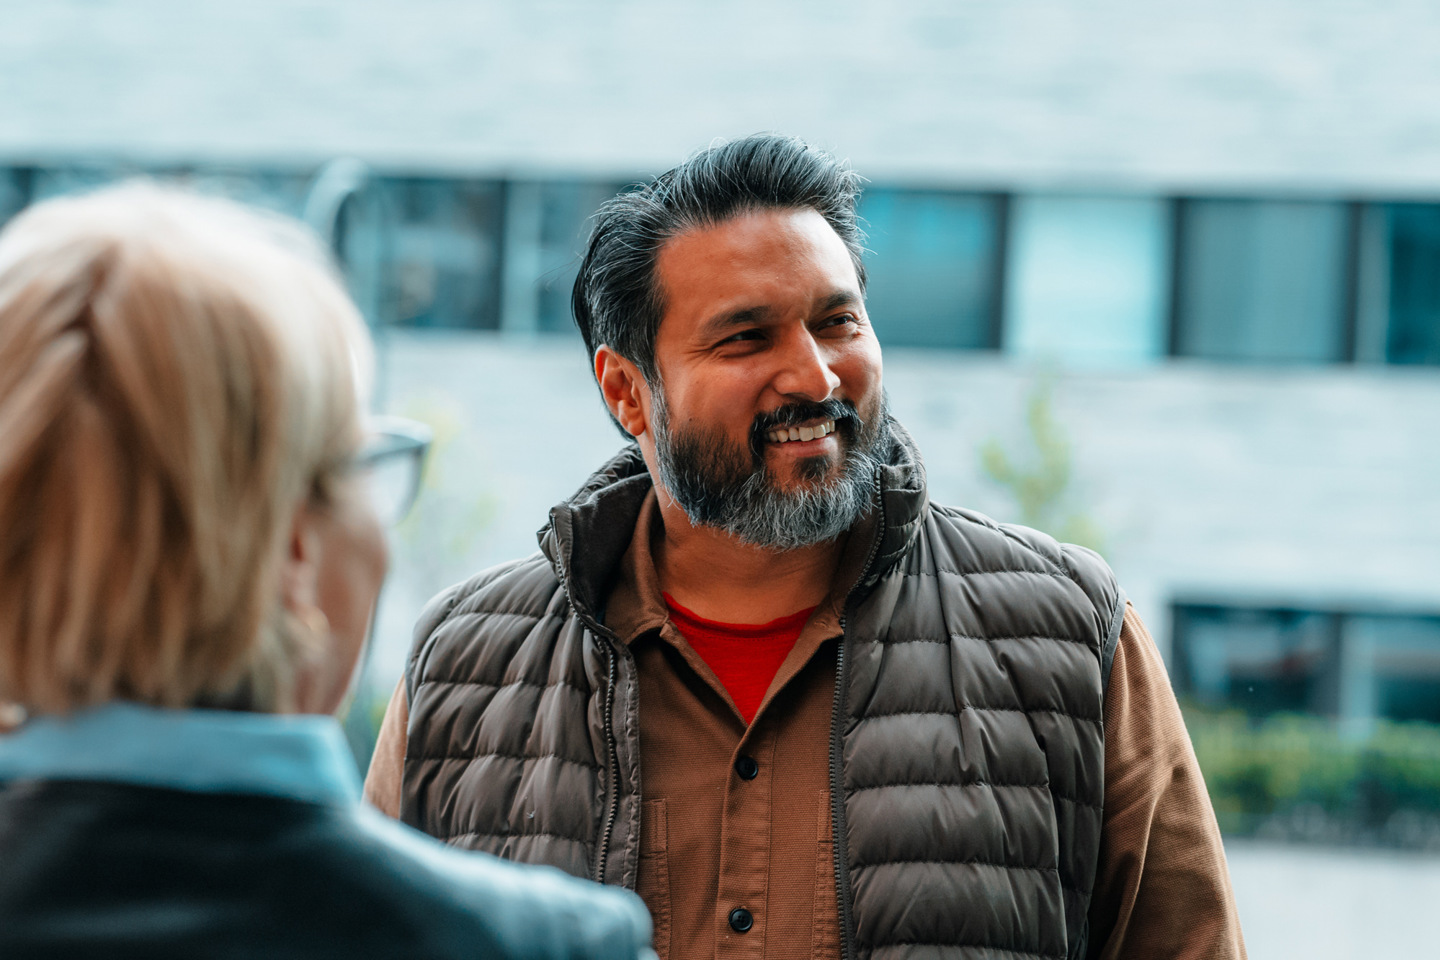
(588, 534)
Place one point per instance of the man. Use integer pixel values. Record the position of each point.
(758, 677)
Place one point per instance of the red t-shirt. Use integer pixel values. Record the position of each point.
(744, 657)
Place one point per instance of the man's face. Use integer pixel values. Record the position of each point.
(769, 411)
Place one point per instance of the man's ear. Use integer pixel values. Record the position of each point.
(625, 391)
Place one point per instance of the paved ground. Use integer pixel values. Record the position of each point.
(1335, 904)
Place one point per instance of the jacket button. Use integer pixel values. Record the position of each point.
(740, 919)
(747, 768)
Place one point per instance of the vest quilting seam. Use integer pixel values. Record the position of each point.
(489, 612)
(1008, 532)
(476, 757)
(979, 783)
(966, 574)
(978, 863)
(480, 834)
(988, 948)
(965, 636)
(957, 863)
(962, 707)
(503, 686)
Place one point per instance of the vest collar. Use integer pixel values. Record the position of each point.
(600, 518)
(904, 500)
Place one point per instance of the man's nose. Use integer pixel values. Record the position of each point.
(804, 370)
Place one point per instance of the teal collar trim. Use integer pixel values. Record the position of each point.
(205, 751)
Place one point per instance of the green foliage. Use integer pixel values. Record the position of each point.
(441, 524)
(1260, 773)
(1040, 480)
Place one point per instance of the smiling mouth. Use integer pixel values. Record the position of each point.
(822, 429)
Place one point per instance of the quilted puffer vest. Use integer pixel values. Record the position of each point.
(967, 749)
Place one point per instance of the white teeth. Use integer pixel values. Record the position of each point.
(802, 433)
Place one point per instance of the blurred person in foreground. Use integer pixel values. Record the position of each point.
(758, 677)
(190, 562)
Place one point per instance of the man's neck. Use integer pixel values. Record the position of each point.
(720, 578)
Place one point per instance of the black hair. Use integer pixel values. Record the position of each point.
(616, 298)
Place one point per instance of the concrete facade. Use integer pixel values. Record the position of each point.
(1215, 95)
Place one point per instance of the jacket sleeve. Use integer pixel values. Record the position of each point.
(1162, 888)
(387, 763)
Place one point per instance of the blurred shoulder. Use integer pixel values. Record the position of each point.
(501, 909)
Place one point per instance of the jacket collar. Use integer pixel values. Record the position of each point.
(588, 534)
(200, 751)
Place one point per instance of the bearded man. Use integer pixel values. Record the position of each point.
(755, 675)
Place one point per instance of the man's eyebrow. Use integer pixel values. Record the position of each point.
(727, 319)
(840, 298)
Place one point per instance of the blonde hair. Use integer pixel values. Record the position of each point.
(177, 375)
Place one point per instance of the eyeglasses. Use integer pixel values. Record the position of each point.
(389, 464)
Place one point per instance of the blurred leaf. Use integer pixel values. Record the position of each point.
(1039, 478)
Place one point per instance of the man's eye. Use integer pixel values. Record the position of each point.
(743, 335)
(839, 320)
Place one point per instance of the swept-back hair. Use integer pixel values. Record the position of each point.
(617, 300)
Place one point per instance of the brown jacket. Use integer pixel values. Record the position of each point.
(710, 840)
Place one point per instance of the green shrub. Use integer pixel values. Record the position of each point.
(1266, 776)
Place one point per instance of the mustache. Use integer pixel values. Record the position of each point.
(843, 412)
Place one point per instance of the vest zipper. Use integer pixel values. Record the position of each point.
(837, 721)
(612, 788)
(607, 712)
(837, 804)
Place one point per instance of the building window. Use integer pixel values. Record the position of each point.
(442, 248)
(934, 267)
(1357, 666)
(1087, 278)
(1261, 280)
(547, 225)
(1411, 283)
(16, 185)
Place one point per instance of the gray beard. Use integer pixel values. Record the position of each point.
(729, 488)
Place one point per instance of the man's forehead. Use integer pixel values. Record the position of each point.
(757, 261)
(760, 228)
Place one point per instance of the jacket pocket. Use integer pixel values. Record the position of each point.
(653, 883)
